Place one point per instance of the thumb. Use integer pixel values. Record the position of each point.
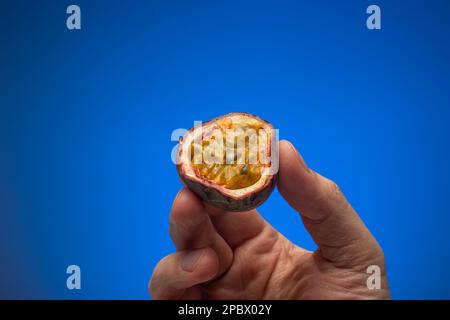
(339, 233)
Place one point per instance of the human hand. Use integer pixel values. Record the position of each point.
(233, 255)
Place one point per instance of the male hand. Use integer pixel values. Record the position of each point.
(233, 255)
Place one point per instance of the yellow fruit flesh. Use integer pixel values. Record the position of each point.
(239, 174)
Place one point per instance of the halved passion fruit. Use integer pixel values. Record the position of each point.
(230, 162)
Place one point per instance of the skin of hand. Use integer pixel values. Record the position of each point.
(223, 255)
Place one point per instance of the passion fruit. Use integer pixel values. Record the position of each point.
(231, 162)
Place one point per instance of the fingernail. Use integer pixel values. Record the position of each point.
(178, 194)
(299, 157)
(191, 259)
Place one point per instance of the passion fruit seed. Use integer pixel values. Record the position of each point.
(235, 175)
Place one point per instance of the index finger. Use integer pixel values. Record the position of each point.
(190, 228)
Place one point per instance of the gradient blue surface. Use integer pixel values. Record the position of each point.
(86, 118)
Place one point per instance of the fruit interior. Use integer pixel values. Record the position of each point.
(246, 166)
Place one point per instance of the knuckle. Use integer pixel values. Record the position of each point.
(153, 284)
(326, 188)
(335, 193)
(378, 251)
(334, 188)
(150, 287)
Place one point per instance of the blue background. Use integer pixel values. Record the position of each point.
(86, 119)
